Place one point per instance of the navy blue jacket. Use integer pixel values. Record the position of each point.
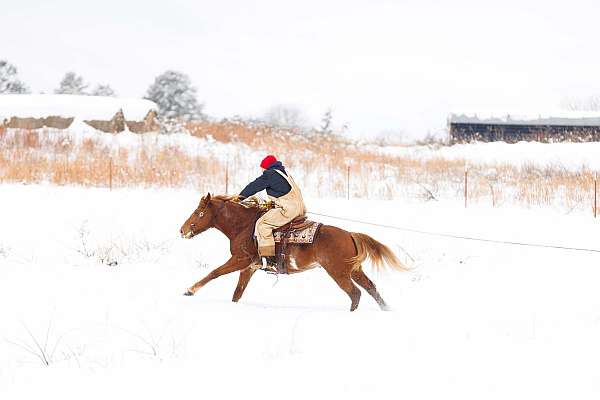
(275, 184)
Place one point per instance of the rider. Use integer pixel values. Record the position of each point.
(284, 192)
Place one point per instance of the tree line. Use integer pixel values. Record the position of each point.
(173, 93)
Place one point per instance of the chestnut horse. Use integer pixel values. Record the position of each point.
(339, 252)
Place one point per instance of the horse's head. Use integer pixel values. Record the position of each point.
(200, 220)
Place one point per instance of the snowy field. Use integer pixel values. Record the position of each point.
(565, 155)
(472, 320)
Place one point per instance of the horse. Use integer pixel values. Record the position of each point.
(339, 252)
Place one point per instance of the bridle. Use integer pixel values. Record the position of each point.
(200, 214)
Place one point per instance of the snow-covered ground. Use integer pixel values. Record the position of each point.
(473, 320)
(570, 156)
(134, 143)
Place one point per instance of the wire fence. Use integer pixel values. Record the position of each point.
(461, 237)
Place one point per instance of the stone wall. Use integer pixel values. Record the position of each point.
(115, 125)
(37, 123)
(149, 124)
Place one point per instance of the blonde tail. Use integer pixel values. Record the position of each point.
(379, 254)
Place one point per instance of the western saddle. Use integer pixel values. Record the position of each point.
(293, 233)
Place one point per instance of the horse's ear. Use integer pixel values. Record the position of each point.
(208, 197)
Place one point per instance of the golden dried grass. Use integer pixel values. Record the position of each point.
(321, 162)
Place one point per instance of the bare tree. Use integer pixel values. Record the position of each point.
(390, 137)
(71, 83)
(286, 116)
(326, 123)
(103, 90)
(9, 81)
(431, 138)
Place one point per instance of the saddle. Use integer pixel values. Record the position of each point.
(300, 232)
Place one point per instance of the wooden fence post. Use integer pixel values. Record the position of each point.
(466, 183)
(66, 175)
(595, 194)
(110, 168)
(348, 182)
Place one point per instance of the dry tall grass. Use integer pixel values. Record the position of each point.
(25, 159)
(319, 163)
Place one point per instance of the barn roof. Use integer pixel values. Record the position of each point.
(80, 107)
(556, 117)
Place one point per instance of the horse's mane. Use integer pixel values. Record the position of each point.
(250, 202)
(223, 197)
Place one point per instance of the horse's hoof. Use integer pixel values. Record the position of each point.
(188, 293)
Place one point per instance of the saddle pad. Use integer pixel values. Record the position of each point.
(302, 236)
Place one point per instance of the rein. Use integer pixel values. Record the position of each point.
(254, 202)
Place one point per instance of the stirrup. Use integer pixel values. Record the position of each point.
(268, 261)
(273, 264)
(269, 264)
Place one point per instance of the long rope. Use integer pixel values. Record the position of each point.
(447, 235)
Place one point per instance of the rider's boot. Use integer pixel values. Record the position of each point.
(268, 262)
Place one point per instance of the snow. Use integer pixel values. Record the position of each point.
(555, 117)
(571, 156)
(472, 320)
(80, 107)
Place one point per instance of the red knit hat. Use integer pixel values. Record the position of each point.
(268, 161)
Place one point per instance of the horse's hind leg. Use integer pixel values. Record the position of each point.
(341, 276)
(245, 276)
(363, 280)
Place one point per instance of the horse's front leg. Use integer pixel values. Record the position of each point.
(232, 265)
(245, 276)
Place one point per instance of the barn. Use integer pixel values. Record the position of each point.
(553, 126)
(107, 114)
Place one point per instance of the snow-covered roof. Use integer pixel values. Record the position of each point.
(556, 117)
(79, 107)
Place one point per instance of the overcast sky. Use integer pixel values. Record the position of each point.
(380, 65)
